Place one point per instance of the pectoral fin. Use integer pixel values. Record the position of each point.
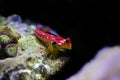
(52, 50)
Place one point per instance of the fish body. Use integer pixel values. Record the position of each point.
(52, 39)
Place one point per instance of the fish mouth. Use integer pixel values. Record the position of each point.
(68, 46)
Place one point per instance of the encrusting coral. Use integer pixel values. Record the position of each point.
(26, 55)
(4, 39)
(7, 38)
(11, 50)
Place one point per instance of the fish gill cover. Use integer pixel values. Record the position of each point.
(30, 51)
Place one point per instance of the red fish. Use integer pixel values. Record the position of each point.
(52, 39)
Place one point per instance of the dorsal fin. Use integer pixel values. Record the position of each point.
(44, 28)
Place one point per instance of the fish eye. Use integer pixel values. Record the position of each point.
(53, 43)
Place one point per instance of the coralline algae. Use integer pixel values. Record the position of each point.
(104, 66)
(31, 61)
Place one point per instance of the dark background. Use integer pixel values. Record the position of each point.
(88, 23)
